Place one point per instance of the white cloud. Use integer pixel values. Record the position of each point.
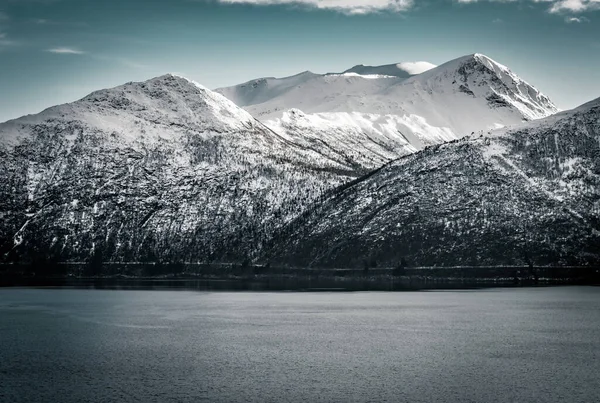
(344, 6)
(372, 6)
(65, 51)
(578, 20)
(575, 6)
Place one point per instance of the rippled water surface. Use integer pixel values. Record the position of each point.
(502, 345)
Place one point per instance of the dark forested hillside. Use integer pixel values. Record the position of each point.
(529, 194)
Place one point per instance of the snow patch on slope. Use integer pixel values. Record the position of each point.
(367, 139)
(365, 76)
(414, 68)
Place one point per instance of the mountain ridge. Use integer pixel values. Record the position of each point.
(469, 94)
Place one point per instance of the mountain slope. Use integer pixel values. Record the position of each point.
(159, 170)
(364, 140)
(527, 193)
(466, 95)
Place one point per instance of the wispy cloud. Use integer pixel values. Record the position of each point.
(48, 22)
(576, 20)
(65, 51)
(344, 6)
(3, 16)
(5, 41)
(122, 61)
(126, 62)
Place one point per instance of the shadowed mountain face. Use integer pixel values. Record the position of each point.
(527, 193)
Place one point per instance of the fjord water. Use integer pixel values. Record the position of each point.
(501, 345)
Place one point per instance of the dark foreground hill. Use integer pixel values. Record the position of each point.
(530, 194)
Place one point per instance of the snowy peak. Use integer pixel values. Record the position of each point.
(473, 86)
(175, 100)
(479, 76)
(395, 108)
(139, 112)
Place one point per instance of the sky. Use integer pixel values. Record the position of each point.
(57, 51)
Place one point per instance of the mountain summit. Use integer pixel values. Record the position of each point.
(481, 77)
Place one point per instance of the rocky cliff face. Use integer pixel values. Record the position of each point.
(530, 193)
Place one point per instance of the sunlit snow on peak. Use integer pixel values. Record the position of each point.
(195, 83)
(416, 67)
(366, 76)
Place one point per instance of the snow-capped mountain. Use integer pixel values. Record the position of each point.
(527, 193)
(395, 110)
(153, 170)
(167, 170)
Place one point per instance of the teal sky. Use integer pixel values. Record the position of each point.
(56, 51)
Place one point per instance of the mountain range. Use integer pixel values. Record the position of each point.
(395, 114)
(463, 163)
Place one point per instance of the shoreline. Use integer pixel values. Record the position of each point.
(295, 283)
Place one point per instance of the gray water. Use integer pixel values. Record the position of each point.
(502, 345)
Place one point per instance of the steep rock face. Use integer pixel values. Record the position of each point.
(530, 193)
(387, 107)
(159, 170)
